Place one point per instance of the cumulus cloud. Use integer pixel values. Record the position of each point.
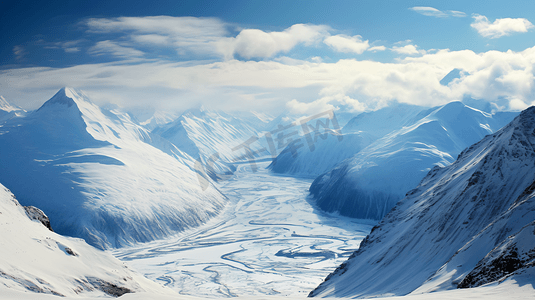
(500, 27)
(109, 47)
(407, 50)
(347, 44)
(433, 12)
(255, 43)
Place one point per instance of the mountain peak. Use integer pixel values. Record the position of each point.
(66, 96)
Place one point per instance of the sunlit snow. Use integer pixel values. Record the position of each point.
(269, 241)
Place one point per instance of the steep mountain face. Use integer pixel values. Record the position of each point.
(213, 138)
(465, 225)
(334, 147)
(97, 175)
(370, 183)
(35, 259)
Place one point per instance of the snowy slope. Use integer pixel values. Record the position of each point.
(213, 138)
(257, 120)
(35, 259)
(331, 150)
(460, 220)
(327, 153)
(159, 118)
(385, 120)
(9, 111)
(370, 183)
(95, 174)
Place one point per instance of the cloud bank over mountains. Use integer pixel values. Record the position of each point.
(226, 66)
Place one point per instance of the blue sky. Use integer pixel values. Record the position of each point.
(301, 56)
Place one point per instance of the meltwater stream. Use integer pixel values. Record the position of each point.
(268, 241)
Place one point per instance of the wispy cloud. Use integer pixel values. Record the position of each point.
(67, 46)
(377, 48)
(500, 27)
(433, 12)
(185, 34)
(19, 52)
(347, 44)
(109, 47)
(207, 36)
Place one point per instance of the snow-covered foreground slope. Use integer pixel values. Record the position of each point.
(370, 183)
(465, 225)
(96, 175)
(34, 259)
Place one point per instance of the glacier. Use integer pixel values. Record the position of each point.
(100, 176)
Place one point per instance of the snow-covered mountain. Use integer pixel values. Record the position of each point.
(97, 175)
(35, 259)
(257, 120)
(8, 110)
(211, 137)
(327, 153)
(370, 183)
(159, 118)
(333, 148)
(465, 225)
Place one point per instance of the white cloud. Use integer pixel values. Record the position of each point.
(19, 52)
(186, 34)
(517, 104)
(457, 14)
(72, 50)
(502, 78)
(109, 47)
(500, 27)
(152, 39)
(408, 50)
(347, 44)
(377, 48)
(433, 12)
(207, 36)
(255, 43)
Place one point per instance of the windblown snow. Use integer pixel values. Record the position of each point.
(465, 225)
(99, 176)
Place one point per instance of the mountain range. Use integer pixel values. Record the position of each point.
(465, 225)
(368, 184)
(100, 176)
